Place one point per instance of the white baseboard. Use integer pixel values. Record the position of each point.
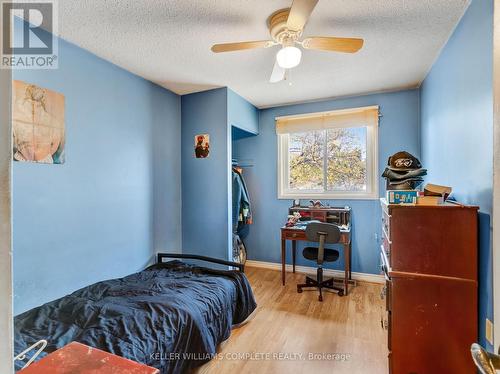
(363, 277)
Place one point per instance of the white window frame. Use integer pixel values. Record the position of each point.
(372, 184)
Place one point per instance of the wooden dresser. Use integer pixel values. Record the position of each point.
(429, 258)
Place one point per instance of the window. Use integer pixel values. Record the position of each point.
(328, 155)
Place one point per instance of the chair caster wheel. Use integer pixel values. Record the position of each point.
(341, 293)
(320, 298)
(299, 290)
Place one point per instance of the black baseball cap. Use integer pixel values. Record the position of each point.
(403, 161)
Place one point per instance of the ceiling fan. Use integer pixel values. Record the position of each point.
(286, 27)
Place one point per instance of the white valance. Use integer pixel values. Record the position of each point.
(354, 117)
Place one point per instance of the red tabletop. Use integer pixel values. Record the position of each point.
(79, 358)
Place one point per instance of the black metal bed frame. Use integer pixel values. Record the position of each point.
(161, 256)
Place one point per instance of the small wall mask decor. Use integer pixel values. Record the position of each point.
(202, 145)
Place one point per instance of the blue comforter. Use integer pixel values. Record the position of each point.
(170, 316)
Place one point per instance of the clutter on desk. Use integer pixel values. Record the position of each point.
(437, 190)
(430, 200)
(404, 172)
(302, 225)
(323, 213)
(316, 204)
(402, 197)
(416, 197)
(434, 194)
(293, 219)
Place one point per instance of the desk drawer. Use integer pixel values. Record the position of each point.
(294, 234)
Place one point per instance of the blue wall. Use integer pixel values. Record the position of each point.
(399, 129)
(205, 214)
(241, 114)
(95, 216)
(165, 109)
(457, 127)
(206, 200)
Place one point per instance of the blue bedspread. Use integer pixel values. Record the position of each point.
(170, 316)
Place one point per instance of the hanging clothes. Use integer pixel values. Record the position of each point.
(242, 214)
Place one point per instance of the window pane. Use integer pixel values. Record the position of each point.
(305, 152)
(347, 159)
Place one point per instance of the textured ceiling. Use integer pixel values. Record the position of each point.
(168, 42)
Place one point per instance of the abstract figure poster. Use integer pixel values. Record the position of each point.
(38, 124)
(202, 145)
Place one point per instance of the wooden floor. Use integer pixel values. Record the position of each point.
(296, 325)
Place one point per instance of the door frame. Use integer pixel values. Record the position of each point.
(6, 288)
(496, 174)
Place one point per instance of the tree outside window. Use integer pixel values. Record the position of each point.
(328, 155)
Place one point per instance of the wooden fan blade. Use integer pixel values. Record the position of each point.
(299, 14)
(229, 47)
(348, 45)
(278, 73)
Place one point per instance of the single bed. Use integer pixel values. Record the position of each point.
(170, 316)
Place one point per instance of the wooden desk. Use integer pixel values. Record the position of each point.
(299, 234)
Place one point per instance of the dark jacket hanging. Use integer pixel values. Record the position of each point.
(242, 214)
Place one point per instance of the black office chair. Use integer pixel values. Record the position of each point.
(321, 233)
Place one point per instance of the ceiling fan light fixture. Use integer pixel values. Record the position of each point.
(288, 57)
(286, 27)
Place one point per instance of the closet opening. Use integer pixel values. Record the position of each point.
(241, 213)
